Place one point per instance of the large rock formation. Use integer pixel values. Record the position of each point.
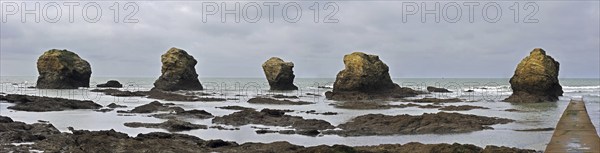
(62, 69)
(178, 72)
(279, 74)
(535, 79)
(366, 77)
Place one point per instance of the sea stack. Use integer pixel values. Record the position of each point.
(62, 69)
(279, 74)
(178, 72)
(366, 77)
(535, 79)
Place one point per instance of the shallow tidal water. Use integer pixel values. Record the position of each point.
(487, 93)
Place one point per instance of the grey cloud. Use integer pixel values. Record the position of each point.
(567, 30)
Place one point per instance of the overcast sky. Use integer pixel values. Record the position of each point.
(568, 31)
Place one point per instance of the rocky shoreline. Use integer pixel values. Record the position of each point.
(48, 139)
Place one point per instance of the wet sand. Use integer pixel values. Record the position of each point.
(575, 131)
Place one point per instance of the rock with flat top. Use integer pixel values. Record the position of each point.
(366, 77)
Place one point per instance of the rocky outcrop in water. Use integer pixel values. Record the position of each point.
(279, 74)
(111, 84)
(154, 106)
(49, 139)
(186, 114)
(119, 93)
(436, 89)
(178, 72)
(439, 123)
(45, 104)
(535, 79)
(366, 77)
(171, 125)
(271, 118)
(262, 100)
(62, 69)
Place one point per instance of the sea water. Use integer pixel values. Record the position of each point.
(487, 92)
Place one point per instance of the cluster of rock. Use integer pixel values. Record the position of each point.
(366, 77)
(535, 79)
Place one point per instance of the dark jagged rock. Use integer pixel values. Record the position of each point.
(513, 110)
(430, 106)
(461, 108)
(218, 127)
(435, 89)
(218, 143)
(315, 112)
(44, 104)
(113, 105)
(273, 112)
(4, 119)
(279, 74)
(170, 96)
(178, 72)
(112, 141)
(313, 94)
(16, 132)
(111, 83)
(535, 79)
(495, 149)
(172, 125)
(271, 118)
(62, 69)
(264, 131)
(370, 105)
(154, 106)
(329, 113)
(440, 123)
(261, 100)
(236, 108)
(310, 132)
(119, 93)
(284, 96)
(366, 77)
(436, 100)
(104, 110)
(197, 114)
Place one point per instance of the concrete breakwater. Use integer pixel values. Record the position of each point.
(574, 131)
